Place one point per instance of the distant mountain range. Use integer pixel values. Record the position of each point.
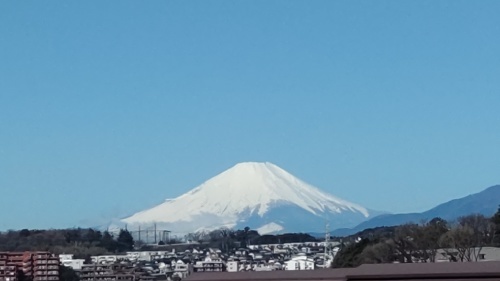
(270, 200)
(485, 202)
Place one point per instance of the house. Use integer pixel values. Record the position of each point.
(487, 271)
(182, 269)
(210, 264)
(300, 263)
(233, 266)
(107, 259)
(482, 254)
(68, 261)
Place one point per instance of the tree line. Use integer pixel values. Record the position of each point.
(227, 239)
(86, 242)
(82, 242)
(460, 241)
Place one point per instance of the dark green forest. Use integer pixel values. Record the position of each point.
(82, 242)
(86, 242)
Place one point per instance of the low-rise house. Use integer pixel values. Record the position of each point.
(182, 269)
(210, 264)
(68, 261)
(108, 259)
(300, 263)
(232, 266)
(481, 254)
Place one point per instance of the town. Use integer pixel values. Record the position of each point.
(225, 251)
(177, 265)
(167, 265)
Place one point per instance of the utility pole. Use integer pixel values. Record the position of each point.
(155, 235)
(327, 238)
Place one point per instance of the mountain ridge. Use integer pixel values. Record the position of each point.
(485, 202)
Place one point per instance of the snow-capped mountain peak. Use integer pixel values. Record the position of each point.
(246, 193)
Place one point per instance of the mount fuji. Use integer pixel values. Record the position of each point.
(259, 195)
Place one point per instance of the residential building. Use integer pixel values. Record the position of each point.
(232, 266)
(46, 266)
(68, 261)
(210, 264)
(103, 272)
(300, 263)
(37, 266)
(8, 271)
(486, 271)
(182, 269)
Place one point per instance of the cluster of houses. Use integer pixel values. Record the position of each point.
(172, 264)
(175, 264)
(289, 256)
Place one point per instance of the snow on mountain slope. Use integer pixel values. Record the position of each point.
(269, 228)
(246, 192)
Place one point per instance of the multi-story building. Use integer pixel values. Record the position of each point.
(8, 272)
(103, 272)
(35, 266)
(45, 266)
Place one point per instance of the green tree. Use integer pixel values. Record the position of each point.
(125, 241)
(495, 220)
(108, 242)
(67, 274)
(24, 233)
(350, 256)
(378, 253)
(93, 236)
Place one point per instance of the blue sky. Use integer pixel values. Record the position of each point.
(109, 107)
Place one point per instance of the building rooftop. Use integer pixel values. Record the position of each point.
(394, 272)
(322, 274)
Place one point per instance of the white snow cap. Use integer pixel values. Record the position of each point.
(247, 188)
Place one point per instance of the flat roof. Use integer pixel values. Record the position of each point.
(297, 275)
(488, 270)
(447, 270)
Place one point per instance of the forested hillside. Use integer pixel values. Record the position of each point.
(461, 240)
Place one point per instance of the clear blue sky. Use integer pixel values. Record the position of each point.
(109, 107)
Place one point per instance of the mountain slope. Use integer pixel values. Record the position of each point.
(485, 202)
(253, 194)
